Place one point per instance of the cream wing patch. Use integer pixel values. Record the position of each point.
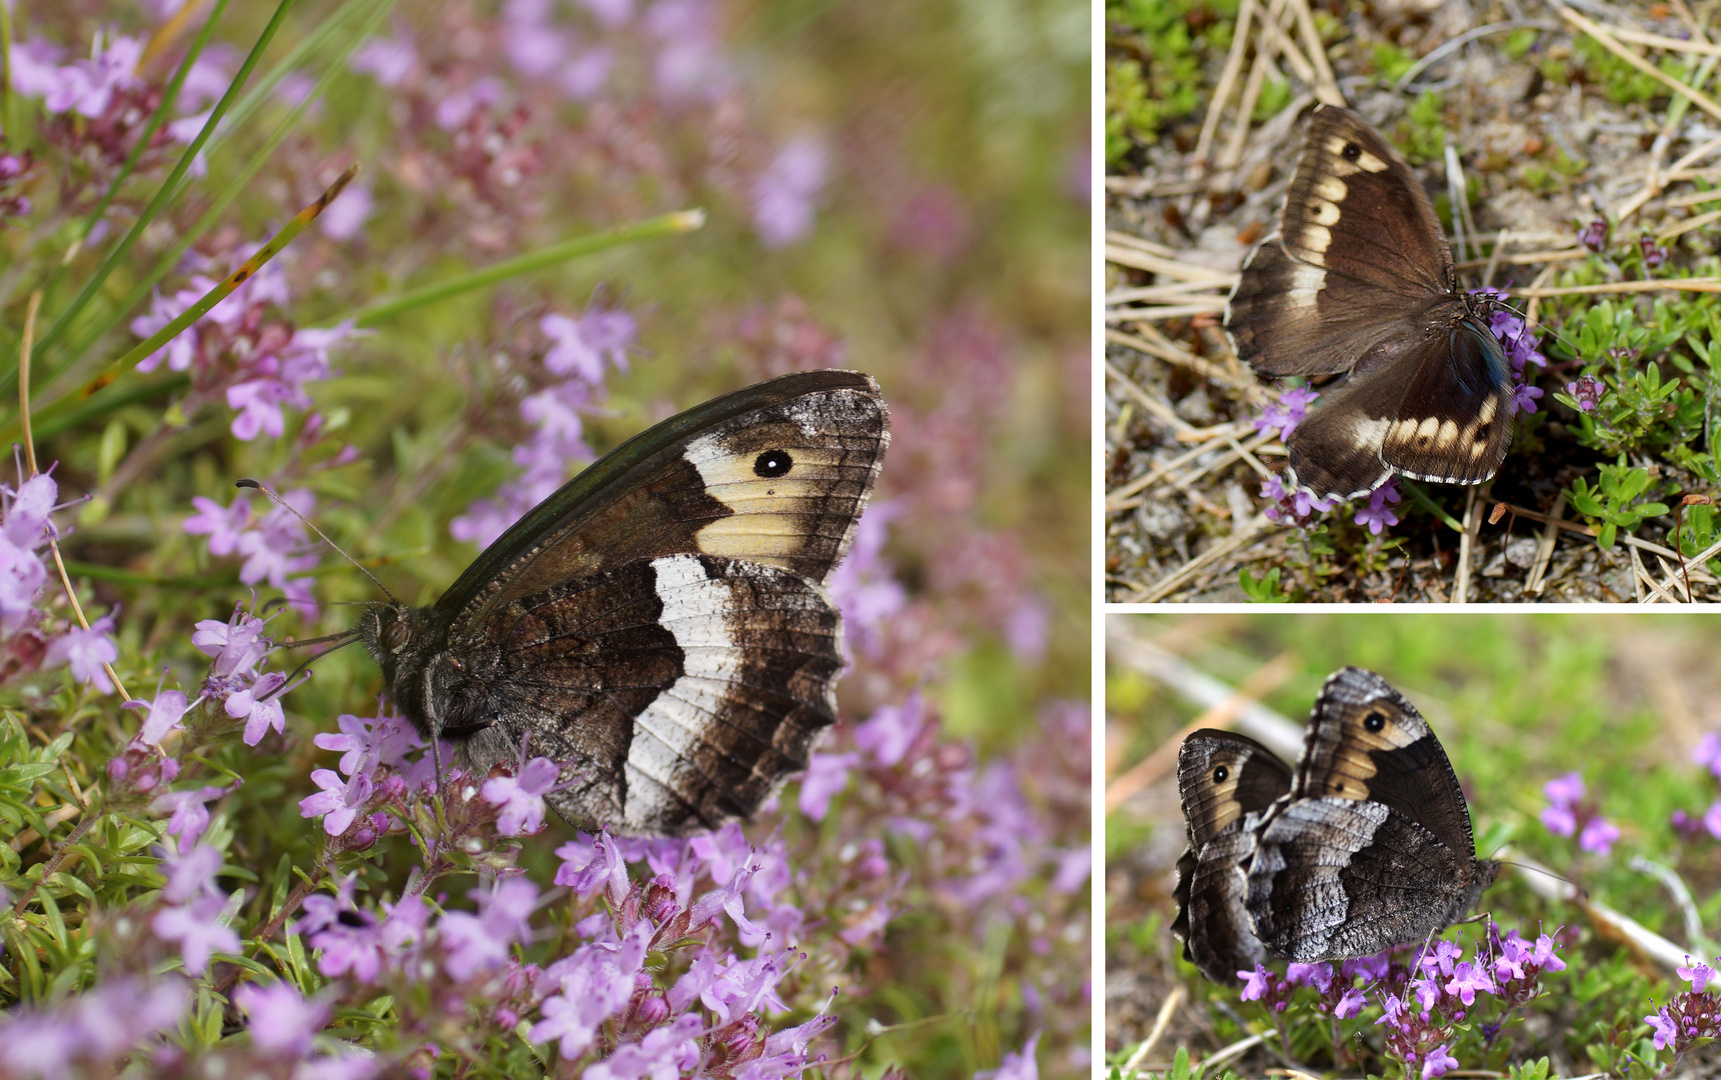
(771, 494)
(1306, 283)
(1350, 158)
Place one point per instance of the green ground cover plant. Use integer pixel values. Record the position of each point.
(1585, 744)
(412, 267)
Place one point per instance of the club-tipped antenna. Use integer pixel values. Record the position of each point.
(282, 503)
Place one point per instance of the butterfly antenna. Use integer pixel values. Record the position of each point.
(344, 640)
(1582, 893)
(345, 637)
(282, 503)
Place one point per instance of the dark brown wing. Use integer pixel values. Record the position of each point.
(1359, 257)
(1450, 421)
(1454, 424)
(776, 473)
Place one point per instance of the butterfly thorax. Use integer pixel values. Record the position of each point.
(405, 641)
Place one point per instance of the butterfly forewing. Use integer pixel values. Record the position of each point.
(1225, 781)
(1351, 185)
(1357, 260)
(777, 473)
(1366, 741)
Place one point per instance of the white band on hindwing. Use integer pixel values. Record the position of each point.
(695, 612)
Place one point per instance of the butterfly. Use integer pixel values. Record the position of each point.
(658, 626)
(1358, 282)
(1364, 846)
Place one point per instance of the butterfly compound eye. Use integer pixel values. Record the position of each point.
(394, 635)
(773, 463)
(1375, 722)
(1221, 774)
(1351, 151)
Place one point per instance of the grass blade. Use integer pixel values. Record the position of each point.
(161, 196)
(237, 186)
(209, 299)
(389, 306)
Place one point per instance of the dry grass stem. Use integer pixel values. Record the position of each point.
(1604, 37)
(1227, 81)
(1326, 86)
(1677, 284)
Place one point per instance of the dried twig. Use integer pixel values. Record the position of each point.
(1244, 533)
(1227, 79)
(1675, 284)
(1154, 263)
(1265, 51)
(1605, 37)
(1688, 225)
(1536, 581)
(1172, 1001)
(1221, 714)
(1326, 87)
(1467, 544)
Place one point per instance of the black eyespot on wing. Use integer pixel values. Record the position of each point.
(1221, 774)
(1375, 721)
(773, 463)
(1352, 151)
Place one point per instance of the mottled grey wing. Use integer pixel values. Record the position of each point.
(679, 692)
(1372, 847)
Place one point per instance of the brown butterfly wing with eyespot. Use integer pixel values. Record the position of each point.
(659, 626)
(1372, 847)
(1359, 282)
(1226, 781)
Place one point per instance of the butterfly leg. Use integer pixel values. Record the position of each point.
(433, 722)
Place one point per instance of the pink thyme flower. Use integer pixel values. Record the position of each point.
(165, 713)
(339, 802)
(199, 928)
(189, 811)
(87, 652)
(522, 797)
(784, 195)
(280, 1017)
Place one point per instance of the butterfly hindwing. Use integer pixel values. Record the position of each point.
(659, 626)
(696, 684)
(1225, 781)
(1454, 424)
(1373, 845)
